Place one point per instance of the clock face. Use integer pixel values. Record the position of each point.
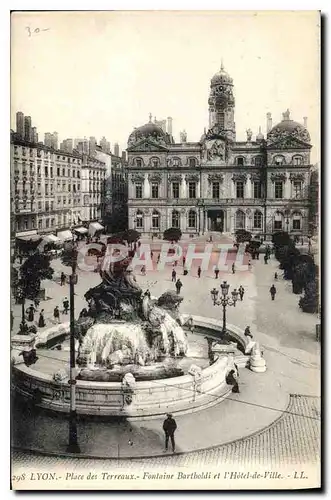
(219, 89)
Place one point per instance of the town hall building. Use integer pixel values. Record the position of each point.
(220, 184)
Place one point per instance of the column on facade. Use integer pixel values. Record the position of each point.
(147, 193)
(287, 188)
(183, 188)
(205, 221)
(249, 187)
(183, 223)
(201, 220)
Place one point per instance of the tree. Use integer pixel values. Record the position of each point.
(131, 236)
(242, 235)
(35, 269)
(172, 234)
(281, 238)
(303, 273)
(309, 302)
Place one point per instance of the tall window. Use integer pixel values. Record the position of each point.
(155, 190)
(297, 160)
(216, 190)
(258, 161)
(175, 162)
(175, 219)
(278, 221)
(192, 219)
(257, 189)
(240, 160)
(192, 162)
(155, 220)
(192, 190)
(239, 189)
(296, 221)
(279, 189)
(138, 162)
(155, 162)
(257, 220)
(175, 189)
(140, 220)
(240, 220)
(139, 190)
(220, 118)
(297, 189)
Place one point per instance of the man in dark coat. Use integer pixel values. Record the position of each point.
(56, 314)
(173, 275)
(233, 268)
(216, 272)
(30, 312)
(65, 305)
(178, 285)
(273, 292)
(63, 279)
(169, 427)
(199, 272)
(241, 291)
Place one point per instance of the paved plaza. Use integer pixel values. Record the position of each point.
(265, 415)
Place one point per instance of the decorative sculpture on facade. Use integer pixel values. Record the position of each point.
(249, 134)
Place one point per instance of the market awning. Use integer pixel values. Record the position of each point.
(94, 227)
(81, 230)
(51, 238)
(65, 235)
(30, 237)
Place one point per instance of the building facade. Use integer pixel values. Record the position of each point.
(93, 175)
(219, 183)
(45, 187)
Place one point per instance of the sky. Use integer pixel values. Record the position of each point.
(102, 73)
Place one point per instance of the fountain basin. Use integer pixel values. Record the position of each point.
(195, 390)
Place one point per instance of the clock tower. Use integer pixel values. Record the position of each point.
(221, 105)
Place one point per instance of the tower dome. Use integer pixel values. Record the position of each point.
(221, 77)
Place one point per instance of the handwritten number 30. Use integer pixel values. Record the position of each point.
(36, 30)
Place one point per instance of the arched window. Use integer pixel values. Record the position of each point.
(296, 221)
(139, 162)
(155, 220)
(279, 160)
(297, 160)
(175, 219)
(278, 221)
(139, 220)
(192, 162)
(257, 220)
(240, 220)
(155, 161)
(240, 160)
(192, 219)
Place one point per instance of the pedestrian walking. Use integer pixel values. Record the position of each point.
(231, 379)
(178, 285)
(30, 312)
(241, 291)
(56, 314)
(233, 269)
(63, 278)
(199, 272)
(151, 255)
(266, 259)
(184, 260)
(173, 275)
(276, 276)
(139, 244)
(41, 321)
(158, 259)
(143, 270)
(273, 292)
(249, 265)
(247, 332)
(216, 273)
(65, 305)
(169, 427)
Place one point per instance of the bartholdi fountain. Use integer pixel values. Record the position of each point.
(136, 355)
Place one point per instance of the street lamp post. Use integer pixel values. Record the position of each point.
(73, 446)
(224, 300)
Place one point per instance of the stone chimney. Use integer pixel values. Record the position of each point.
(169, 125)
(269, 122)
(305, 121)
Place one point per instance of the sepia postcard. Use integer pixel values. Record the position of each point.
(165, 322)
